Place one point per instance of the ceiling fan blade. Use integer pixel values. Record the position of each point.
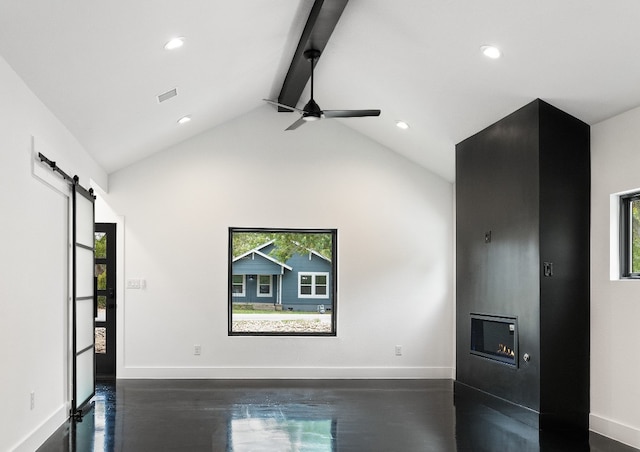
(296, 124)
(273, 102)
(350, 113)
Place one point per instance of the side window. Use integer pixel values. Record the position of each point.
(630, 235)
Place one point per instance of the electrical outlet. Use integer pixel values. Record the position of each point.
(197, 349)
(33, 400)
(398, 350)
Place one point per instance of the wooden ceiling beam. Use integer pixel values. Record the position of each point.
(322, 20)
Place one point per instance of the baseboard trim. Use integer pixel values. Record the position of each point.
(289, 372)
(36, 438)
(617, 431)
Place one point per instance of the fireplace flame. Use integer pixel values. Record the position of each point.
(505, 351)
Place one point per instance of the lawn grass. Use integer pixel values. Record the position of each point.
(250, 309)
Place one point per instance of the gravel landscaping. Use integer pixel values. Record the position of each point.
(281, 326)
(101, 340)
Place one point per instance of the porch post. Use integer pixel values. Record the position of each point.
(279, 300)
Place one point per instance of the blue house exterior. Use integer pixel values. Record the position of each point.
(302, 283)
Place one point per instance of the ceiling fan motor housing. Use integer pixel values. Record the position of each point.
(312, 110)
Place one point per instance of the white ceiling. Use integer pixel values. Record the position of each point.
(99, 65)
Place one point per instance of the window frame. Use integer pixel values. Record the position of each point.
(332, 284)
(626, 257)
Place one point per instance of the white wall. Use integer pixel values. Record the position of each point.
(615, 304)
(33, 267)
(395, 248)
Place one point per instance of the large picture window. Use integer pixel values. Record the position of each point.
(282, 282)
(630, 235)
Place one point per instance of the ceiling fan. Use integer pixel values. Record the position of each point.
(312, 111)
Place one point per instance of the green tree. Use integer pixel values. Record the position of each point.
(246, 241)
(100, 250)
(286, 244)
(101, 244)
(635, 236)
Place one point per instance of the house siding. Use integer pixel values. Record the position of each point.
(302, 264)
(255, 264)
(251, 292)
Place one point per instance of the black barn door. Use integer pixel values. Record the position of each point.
(83, 302)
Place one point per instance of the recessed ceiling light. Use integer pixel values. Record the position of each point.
(175, 43)
(491, 51)
(184, 120)
(402, 125)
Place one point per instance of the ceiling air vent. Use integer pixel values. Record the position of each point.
(168, 95)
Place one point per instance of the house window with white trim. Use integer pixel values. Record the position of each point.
(238, 286)
(313, 285)
(264, 285)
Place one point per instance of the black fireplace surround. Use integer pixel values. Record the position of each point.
(522, 205)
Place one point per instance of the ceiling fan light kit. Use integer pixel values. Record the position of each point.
(312, 111)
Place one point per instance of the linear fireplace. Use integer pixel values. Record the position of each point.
(495, 337)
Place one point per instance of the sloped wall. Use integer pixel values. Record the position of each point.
(33, 292)
(394, 222)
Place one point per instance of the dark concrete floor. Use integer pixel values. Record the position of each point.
(300, 415)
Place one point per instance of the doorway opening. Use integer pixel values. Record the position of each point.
(105, 291)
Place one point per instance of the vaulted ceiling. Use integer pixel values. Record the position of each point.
(99, 66)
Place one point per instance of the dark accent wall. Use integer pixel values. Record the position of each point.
(526, 179)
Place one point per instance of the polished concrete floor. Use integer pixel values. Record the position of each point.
(301, 416)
